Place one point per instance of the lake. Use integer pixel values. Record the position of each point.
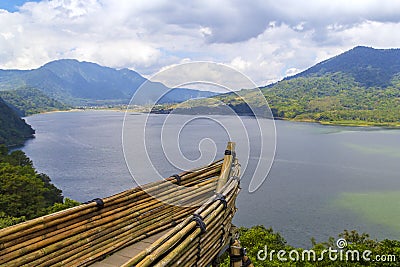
(324, 179)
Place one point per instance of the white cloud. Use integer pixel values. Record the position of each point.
(240, 64)
(206, 31)
(267, 40)
(372, 33)
(292, 71)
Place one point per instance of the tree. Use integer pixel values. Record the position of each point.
(18, 158)
(258, 238)
(21, 192)
(24, 193)
(52, 195)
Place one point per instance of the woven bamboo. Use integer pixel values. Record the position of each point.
(198, 214)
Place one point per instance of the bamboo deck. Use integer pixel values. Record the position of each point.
(158, 224)
(121, 256)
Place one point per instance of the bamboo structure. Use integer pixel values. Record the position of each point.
(238, 255)
(198, 214)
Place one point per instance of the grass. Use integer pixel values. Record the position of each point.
(362, 123)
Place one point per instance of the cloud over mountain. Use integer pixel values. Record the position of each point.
(264, 39)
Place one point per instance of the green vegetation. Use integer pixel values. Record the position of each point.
(28, 101)
(13, 129)
(258, 237)
(24, 193)
(360, 87)
(370, 67)
(335, 99)
(88, 84)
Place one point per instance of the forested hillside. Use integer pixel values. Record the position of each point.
(24, 193)
(359, 87)
(78, 83)
(13, 129)
(28, 101)
(368, 66)
(335, 98)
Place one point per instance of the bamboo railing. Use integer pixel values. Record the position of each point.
(199, 214)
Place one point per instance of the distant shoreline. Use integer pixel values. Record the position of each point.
(364, 124)
(56, 111)
(75, 110)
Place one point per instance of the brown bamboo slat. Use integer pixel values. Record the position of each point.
(82, 235)
(181, 242)
(62, 216)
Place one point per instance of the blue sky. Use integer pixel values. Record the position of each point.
(266, 39)
(12, 5)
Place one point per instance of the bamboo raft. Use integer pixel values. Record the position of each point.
(196, 216)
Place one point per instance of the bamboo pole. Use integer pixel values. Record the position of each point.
(210, 236)
(228, 188)
(65, 242)
(227, 165)
(71, 227)
(189, 256)
(169, 238)
(150, 230)
(182, 195)
(186, 257)
(210, 245)
(59, 217)
(182, 231)
(212, 248)
(116, 241)
(163, 248)
(130, 236)
(8, 231)
(119, 222)
(172, 233)
(212, 224)
(61, 238)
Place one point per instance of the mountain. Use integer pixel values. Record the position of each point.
(360, 87)
(28, 101)
(84, 83)
(13, 129)
(368, 66)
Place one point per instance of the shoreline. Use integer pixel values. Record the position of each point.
(76, 110)
(363, 124)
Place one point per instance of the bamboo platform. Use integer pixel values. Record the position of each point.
(158, 224)
(121, 256)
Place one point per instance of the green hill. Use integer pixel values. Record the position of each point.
(84, 83)
(368, 66)
(335, 98)
(28, 101)
(359, 87)
(13, 129)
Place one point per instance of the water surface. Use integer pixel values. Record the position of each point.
(318, 183)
